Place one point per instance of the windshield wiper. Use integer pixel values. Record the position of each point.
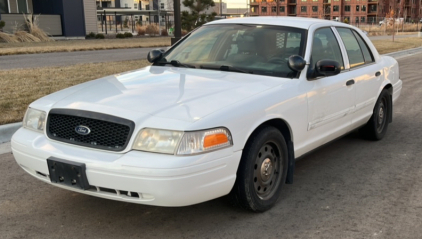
(177, 64)
(224, 68)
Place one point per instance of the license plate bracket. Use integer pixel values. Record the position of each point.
(68, 173)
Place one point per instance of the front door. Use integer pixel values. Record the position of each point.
(330, 99)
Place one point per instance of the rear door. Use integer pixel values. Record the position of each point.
(364, 71)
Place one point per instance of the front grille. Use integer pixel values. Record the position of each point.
(106, 132)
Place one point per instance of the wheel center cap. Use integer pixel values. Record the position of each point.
(380, 115)
(266, 169)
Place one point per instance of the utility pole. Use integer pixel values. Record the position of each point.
(159, 17)
(177, 22)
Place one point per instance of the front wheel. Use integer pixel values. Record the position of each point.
(377, 126)
(262, 171)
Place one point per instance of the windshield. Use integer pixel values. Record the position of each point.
(243, 48)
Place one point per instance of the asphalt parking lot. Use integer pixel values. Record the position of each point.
(351, 188)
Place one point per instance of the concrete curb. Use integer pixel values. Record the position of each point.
(404, 53)
(7, 130)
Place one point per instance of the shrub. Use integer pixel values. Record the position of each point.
(128, 34)
(120, 35)
(91, 35)
(140, 30)
(164, 32)
(184, 32)
(2, 24)
(99, 36)
(346, 21)
(152, 30)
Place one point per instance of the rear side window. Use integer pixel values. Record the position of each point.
(365, 49)
(354, 52)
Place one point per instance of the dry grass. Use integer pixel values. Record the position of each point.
(408, 27)
(26, 37)
(387, 46)
(8, 38)
(81, 45)
(32, 24)
(20, 87)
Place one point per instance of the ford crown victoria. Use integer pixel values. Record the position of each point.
(225, 111)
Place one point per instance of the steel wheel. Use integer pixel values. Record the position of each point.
(262, 170)
(377, 125)
(382, 115)
(266, 171)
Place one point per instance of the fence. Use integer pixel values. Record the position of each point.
(127, 23)
(381, 25)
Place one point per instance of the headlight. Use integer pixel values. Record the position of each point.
(157, 140)
(182, 143)
(34, 120)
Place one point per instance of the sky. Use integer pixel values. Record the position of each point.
(234, 3)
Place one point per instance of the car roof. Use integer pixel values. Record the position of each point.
(298, 22)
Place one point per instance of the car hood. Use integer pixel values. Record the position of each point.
(168, 92)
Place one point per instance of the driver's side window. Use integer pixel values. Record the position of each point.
(325, 47)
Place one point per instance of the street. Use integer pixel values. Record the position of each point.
(350, 188)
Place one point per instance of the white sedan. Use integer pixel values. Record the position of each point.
(225, 111)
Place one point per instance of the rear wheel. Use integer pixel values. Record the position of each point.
(262, 171)
(377, 126)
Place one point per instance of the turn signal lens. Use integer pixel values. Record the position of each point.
(215, 140)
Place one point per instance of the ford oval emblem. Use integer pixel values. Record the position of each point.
(82, 130)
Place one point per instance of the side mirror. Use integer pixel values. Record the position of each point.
(327, 68)
(154, 55)
(296, 63)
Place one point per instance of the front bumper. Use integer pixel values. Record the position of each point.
(134, 176)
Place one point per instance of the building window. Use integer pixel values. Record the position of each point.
(162, 5)
(264, 0)
(357, 8)
(315, 0)
(304, 0)
(263, 9)
(135, 6)
(22, 7)
(347, 8)
(362, 19)
(273, 9)
(373, 8)
(126, 6)
(335, 8)
(303, 9)
(146, 7)
(4, 6)
(282, 9)
(363, 8)
(357, 19)
(282, 0)
(314, 8)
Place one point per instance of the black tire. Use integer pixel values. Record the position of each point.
(377, 125)
(262, 171)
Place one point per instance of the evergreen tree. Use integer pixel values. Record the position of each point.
(196, 17)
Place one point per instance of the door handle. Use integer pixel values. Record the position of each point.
(377, 73)
(350, 82)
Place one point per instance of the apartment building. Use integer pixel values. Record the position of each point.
(352, 11)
